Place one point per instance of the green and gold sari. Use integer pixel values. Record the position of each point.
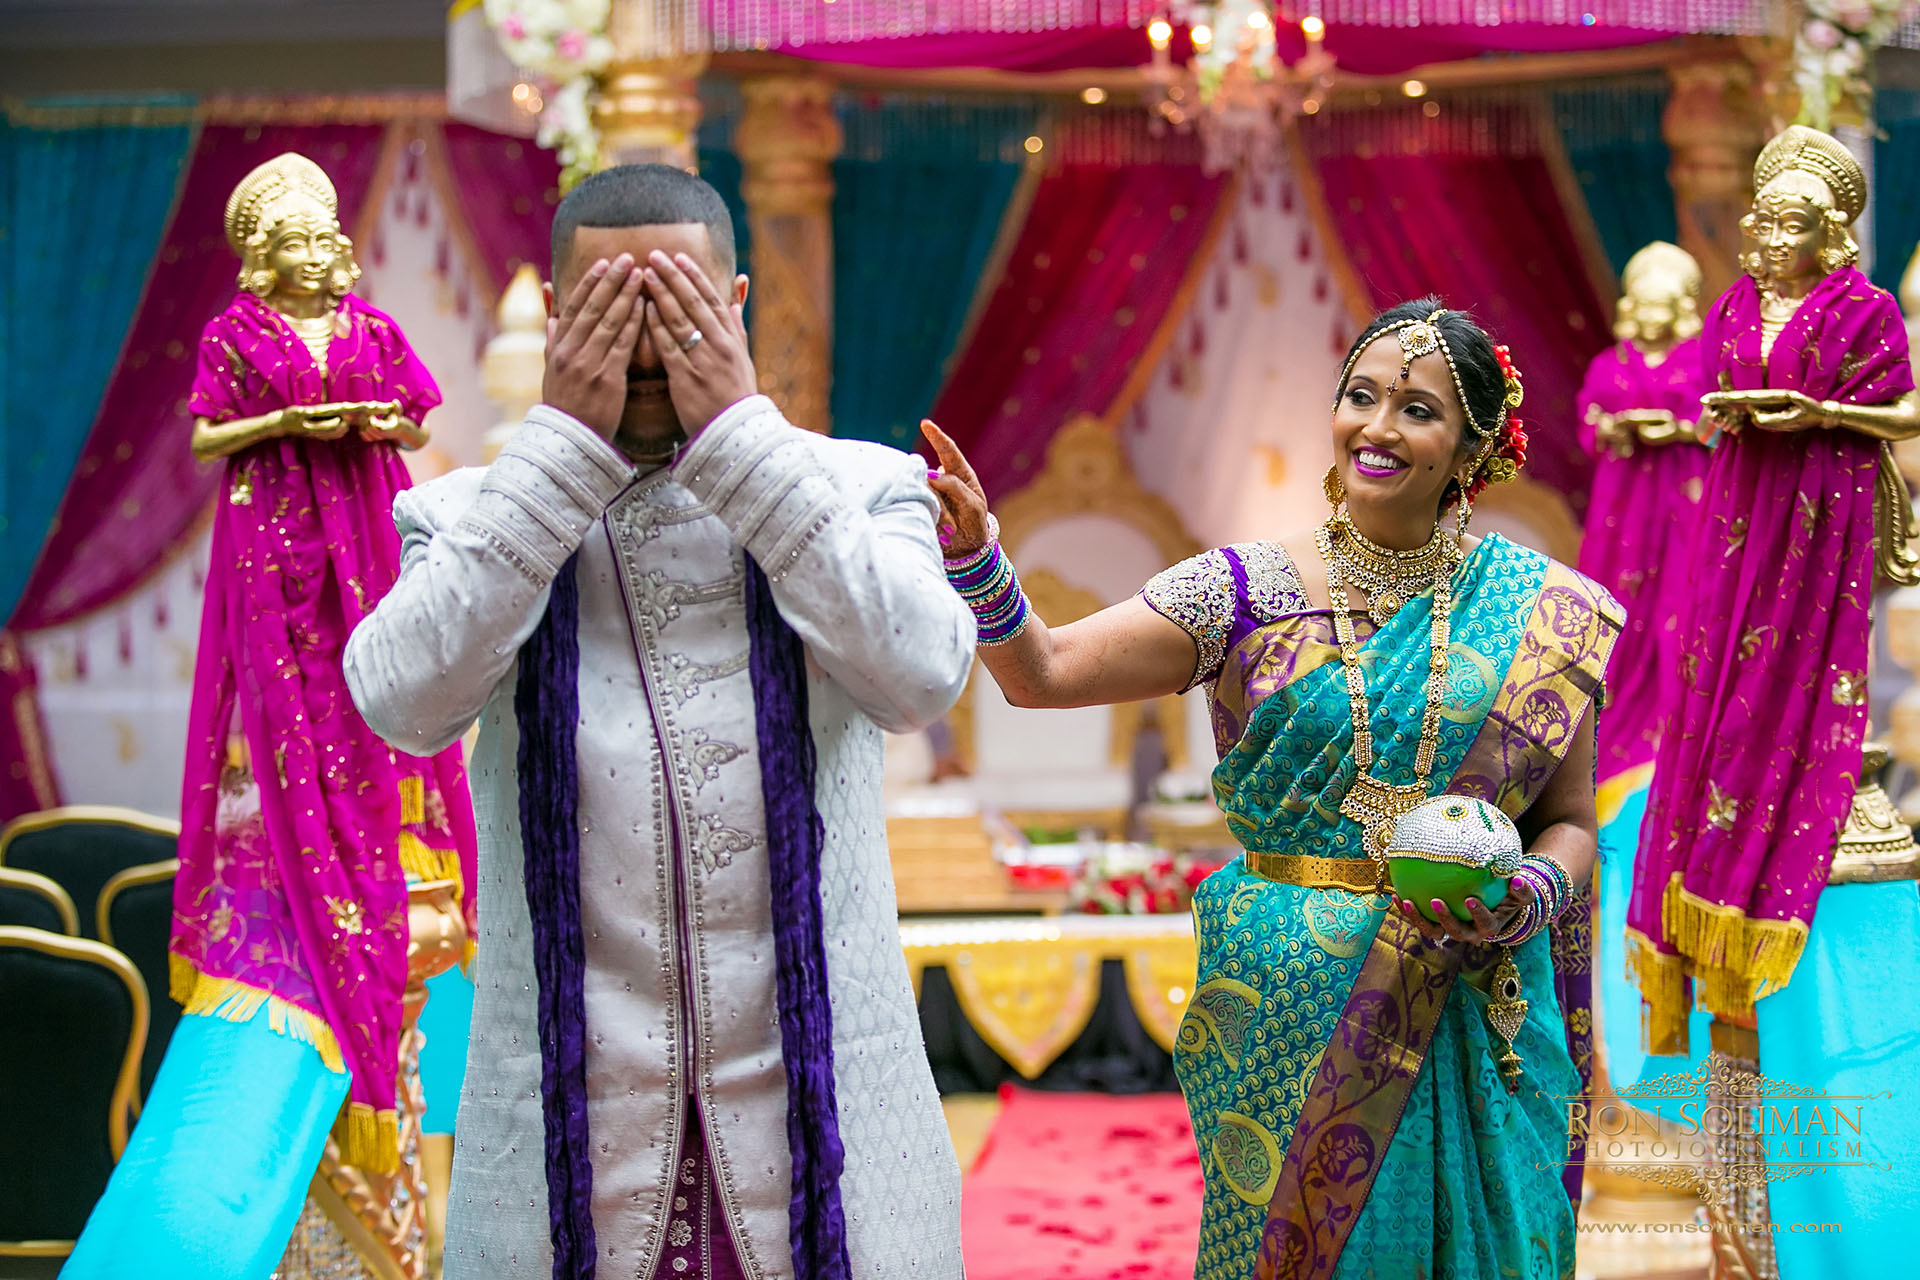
(1339, 1068)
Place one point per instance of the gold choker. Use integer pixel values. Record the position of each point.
(1388, 578)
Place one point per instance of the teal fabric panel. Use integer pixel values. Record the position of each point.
(910, 238)
(219, 1163)
(1611, 132)
(1896, 185)
(1848, 1027)
(446, 1025)
(1628, 1062)
(82, 210)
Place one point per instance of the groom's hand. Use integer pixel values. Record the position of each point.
(590, 344)
(701, 338)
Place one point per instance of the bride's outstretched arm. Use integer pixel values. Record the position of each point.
(1121, 654)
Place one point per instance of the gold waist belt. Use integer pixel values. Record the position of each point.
(1359, 875)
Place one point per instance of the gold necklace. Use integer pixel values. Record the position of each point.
(316, 332)
(1388, 578)
(1371, 802)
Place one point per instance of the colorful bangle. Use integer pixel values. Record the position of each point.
(1552, 894)
(987, 582)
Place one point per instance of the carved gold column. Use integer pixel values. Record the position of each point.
(649, 106)
(787, 140)
(1714, 127)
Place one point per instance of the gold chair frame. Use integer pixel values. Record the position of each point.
(124, 1103)
(35, 883)
(132, 877)
(102, 814)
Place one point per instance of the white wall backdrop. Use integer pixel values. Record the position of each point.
(1233, 429)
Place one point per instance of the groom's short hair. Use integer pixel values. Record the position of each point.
(643, 195)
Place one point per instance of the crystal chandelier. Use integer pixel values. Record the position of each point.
(1235, 91)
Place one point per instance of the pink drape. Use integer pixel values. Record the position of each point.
(1364, 50)
(1639, 526)
(1757, 771)
(514, 222)
(137, 495)
(305, 900)
(1420, 210)
(1097, 269)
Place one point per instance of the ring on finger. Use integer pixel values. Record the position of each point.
(694, 339)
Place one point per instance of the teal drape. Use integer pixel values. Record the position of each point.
(1896, 184)
(85, 189)
(1611, 131)
(920, 190)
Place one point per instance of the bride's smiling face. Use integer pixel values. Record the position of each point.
(1398, 440)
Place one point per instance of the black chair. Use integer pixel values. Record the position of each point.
(75, 1014)
(81, 847)
(30, 901)
(135, 917)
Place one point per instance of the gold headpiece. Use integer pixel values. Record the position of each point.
(1423, 338)
(255, 201)
(1798, 148)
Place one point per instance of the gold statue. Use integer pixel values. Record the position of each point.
(296, 271)
(1797, 238)
(1658, 316)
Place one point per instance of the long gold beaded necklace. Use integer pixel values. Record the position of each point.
(1372, 802)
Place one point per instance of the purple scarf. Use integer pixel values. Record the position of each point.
(1758, 770)
(546, 704)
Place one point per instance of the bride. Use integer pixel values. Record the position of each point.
(1346, 1090)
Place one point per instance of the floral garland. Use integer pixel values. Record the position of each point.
(1502, 465)
(564, 44)
(1130, 881)
(1833, 55)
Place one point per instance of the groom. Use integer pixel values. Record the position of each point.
(682, 624)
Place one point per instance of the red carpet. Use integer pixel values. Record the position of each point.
(1084, 1186)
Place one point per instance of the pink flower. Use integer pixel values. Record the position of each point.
(1854, 15)
(512, 28)
(572, 45)
(1821, 34)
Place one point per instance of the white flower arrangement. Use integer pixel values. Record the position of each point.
(563, 43)
(1833, 55)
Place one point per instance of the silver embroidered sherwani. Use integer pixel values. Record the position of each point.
(673, 861)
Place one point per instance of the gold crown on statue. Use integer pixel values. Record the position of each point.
(284, 180)
(1812, 152)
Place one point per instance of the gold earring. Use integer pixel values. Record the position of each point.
(1462, 513)
(1334, 487)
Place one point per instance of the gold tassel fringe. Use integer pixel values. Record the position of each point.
(413, 801)
(418, 858)
(369, 1140)
(234, 1001)
(1662, 979)
(1736, 959)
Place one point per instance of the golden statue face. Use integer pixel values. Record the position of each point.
(301, 253)
(1788, 229)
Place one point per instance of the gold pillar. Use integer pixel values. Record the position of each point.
(649, 106)
(787, 140)
(649, 111)
(1714, 127)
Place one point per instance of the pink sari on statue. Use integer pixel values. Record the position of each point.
(295, 847)
(1757, 771)
(1639, 526)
